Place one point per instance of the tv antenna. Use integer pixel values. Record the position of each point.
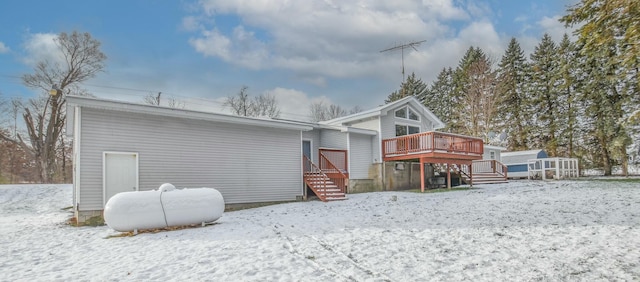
(402, 47)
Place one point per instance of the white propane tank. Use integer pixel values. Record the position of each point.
(167, 206)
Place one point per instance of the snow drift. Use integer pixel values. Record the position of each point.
(167, 206)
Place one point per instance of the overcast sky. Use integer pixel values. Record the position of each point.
(300, 51)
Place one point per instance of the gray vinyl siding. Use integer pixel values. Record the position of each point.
(360, 151)
(245, 163)
(314, 136)
(372, 124)
(333, 139)
(388, 126)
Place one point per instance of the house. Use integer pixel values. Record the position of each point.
(493, 152)
(120, 146)
(517, 161)
(490, 169)
(535, 164)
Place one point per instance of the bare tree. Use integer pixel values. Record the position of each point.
(321, 111)
(80, 59)
(175, 103)
(261, 106)
(240, 103)
(318, 112)
(153, 100)
(479, 102)
(156, 100)
(265, 106)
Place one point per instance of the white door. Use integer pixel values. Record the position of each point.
(120, 173)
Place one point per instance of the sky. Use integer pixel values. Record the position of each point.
(301, 52)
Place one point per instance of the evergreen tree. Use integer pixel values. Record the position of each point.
(462, 85)
(413, 86)
(439, 97)
(608, 24)
(568, 71)
(604, 100)
(513, 108)
(545, 102)
(474, 105)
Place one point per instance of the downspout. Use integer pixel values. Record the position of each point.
(76, 155)
(304, 186)
(382, 164)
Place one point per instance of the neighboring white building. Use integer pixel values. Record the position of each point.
(535, 164)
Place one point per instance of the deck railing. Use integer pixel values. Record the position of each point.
(488, 166)
(432, 141)
(333, 161)
(332, 173)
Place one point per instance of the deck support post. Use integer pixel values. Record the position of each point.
(448, 177)
(421, 175)
(471, 174)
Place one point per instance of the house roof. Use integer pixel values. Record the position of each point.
(492, 147)
(340, 128)
(384, 109)
(96, 103)
(519, 157)
(522, 153)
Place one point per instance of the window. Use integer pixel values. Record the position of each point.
(402, 130)
(407, 113)
(413, 116)
(492, 155)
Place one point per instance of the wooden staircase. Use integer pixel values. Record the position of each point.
(486, 172)
(323, 187)
(486, 178)
(328, 187)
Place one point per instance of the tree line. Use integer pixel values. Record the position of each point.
(572, 99)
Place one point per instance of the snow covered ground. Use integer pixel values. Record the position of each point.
(564, 230)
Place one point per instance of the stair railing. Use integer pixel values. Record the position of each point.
(334, 173)
(313, 173)
(490, 166)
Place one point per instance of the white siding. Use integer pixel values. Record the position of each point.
(245, 163)
(387, 126)
(372, 124)
(360, 151)
(333, 139)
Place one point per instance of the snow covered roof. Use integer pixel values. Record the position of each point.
(340, 128)
(384, 109)
(173, 112)
(518, 157)
(492, 147)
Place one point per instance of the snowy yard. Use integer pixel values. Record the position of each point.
(565, 230)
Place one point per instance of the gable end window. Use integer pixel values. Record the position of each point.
(407, 113)
(413, 115)
(402, 130)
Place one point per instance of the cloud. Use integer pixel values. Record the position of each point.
(4, 48)
(241, 47)
(294, 104)
(41, 46)
(190, 23)
(554, 27)
(323, 39)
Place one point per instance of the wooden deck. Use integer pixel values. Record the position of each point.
(437, 148)
(434, 146)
